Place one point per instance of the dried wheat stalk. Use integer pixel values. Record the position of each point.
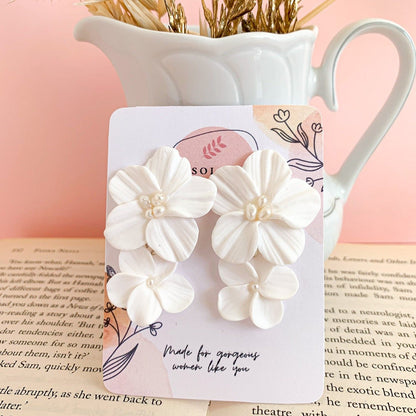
(177, 17)
(230, 16)
(278, 16)
(136, 12)
(224, 18)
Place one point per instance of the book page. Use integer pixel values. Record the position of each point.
(370, 337)
(51, 323)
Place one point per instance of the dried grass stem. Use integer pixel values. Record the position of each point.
(222, 18)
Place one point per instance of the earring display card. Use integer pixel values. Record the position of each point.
(248, 321)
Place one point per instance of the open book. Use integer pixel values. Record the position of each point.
(51, 322)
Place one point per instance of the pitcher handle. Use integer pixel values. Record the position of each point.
(325, 87)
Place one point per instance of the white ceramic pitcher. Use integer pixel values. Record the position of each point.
(161, 68)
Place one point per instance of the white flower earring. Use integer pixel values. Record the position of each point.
(157, 204)
(262, 209)
(153, 226)
(256, 290)
(147, 285)
(263, 212)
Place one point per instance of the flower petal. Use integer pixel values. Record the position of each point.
(280, 244)
(265, 313)
(297, 205)
(263, 267)
(143, 307)
(236, 274)
(173, 239)
(268, 170)
(234, 189)
(170, 169)
(120, 287)
(126, 226)
(234, 302)
(127, 184)
(281, 283)
(175, 293)
(193, 199)
(139, 262)
(234, 239)
(163, 268)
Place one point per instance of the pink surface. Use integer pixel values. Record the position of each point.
(220, 147)
(57, 96)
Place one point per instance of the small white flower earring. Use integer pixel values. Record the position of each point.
(256, 290)
(147, 285)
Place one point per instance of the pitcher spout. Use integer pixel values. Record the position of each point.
(131, 51)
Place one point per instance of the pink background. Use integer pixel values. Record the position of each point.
(57, 95)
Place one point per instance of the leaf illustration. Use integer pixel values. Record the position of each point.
(303, 136)
(219, 142)
(284, 135)
(116, 365)
(212, 149)
(214, 146)
(305, 165)
(211, 153)
(205, 152)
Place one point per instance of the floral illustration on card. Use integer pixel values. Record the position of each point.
(306, 135)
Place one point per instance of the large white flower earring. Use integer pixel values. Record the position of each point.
(157, 204)
(262, 209)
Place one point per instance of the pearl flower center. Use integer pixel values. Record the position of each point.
(154, 206)
(259, 209)
(254, 287)
(150, 283)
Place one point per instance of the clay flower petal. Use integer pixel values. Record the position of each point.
(120, 286)
(154, 201)
(173, 239)
(141, 263)
(265, 313)
(143, 307)
(234, 238)
(297, 204)
(126, 226)
(126, 184)
(193, 199)
(149, 287)
(170, 169)
(175, 293)
(269, 171)
(280, 244)
(236, 274)
(262, 208)
(259, 294)
(234, 189)
(281, 283)
(234, 302)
